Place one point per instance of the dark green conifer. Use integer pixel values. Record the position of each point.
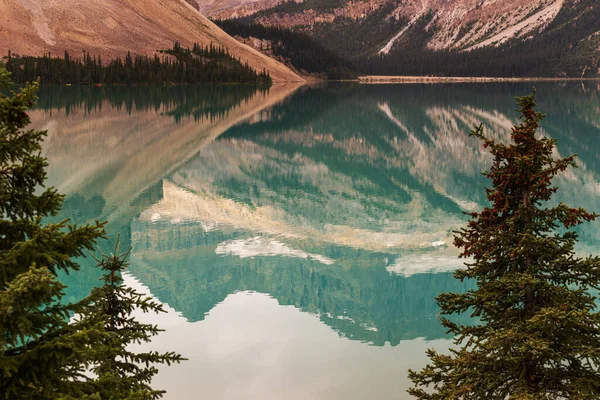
(183, 66)
(121, 372)
(49, 349)
(42, 356)
(536, 329)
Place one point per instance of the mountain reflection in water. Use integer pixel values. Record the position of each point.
(337, 200)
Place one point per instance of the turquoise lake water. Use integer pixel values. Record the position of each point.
(298, 235)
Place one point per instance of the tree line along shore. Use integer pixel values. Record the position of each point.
(178, 65)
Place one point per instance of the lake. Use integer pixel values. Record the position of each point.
(297, 235)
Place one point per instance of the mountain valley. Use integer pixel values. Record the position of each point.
(382, 36)
(111, 28)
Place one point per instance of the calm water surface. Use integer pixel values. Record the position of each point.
(297, 236)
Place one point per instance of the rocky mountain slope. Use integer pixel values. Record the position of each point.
(367, 28)
(457, 24)
(110, 28)
(224, 9)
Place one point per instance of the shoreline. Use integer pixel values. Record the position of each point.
(375, 79)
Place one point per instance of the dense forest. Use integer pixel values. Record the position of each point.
(357, 39)
(569, 46)
(565, 48)
(338, 50)
(179, 65)
(300, 49)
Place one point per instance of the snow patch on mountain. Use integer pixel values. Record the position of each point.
(521, 29)
(460, 24)
(386, 49)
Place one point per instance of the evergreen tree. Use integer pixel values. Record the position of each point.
(300, 49)
(536, 333)
(182, 66)
(41, 354)
(44, 352)
(121, 372)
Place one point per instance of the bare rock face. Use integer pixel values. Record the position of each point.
(462, 24)
(111, 28)
(223, 9)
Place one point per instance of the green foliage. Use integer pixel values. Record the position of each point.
(538, 330)
(357, 39)
(567, 47)
(302, 51)
(41, 355)
(45, 353)
(122, 373)
(347, 38)
(179, 65)
(5, 78)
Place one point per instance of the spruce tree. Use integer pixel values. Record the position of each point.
(536, 329)
(50, 349)
(41, 354)
(121, 372)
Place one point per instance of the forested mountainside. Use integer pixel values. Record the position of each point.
(568, 47)
(463, 37)
(292, 48)
(177, 66)
(112, 28)
(327, 38)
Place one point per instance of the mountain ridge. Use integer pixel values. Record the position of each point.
(488, 21)
(563, 32)
(111, 28)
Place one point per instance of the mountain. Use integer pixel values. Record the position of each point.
(111, 28)
(380, 28)
(295, 49)
(224, 9)
(455, 24)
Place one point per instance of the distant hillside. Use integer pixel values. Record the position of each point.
(231, 8)
(178, 66)
(296, 48)
(568, 47)
(550, 37)
(454, 24)
(111, 28)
